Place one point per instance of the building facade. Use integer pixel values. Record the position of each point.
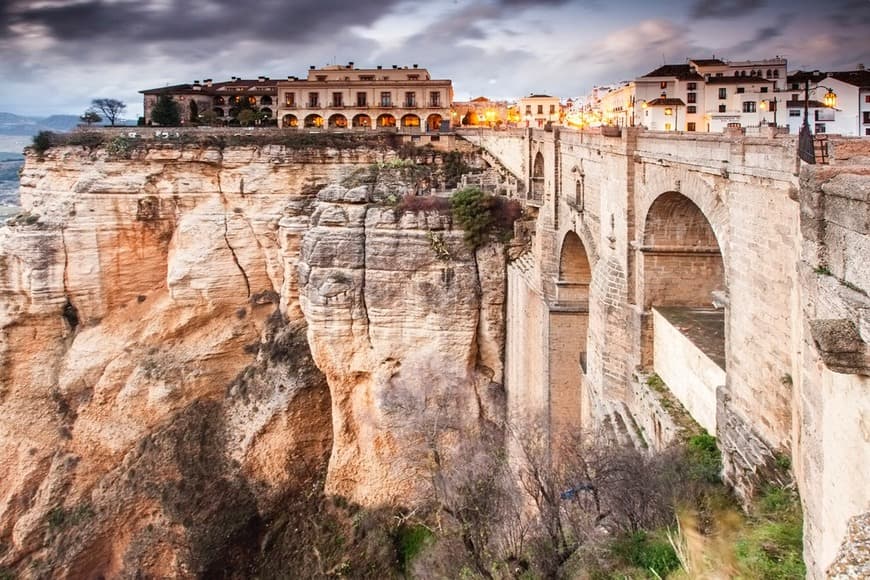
(345, 97)
(850, 114)
(220, 102)
(539, 110)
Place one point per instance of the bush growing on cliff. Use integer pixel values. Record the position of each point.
(42, 141)
(482, 215)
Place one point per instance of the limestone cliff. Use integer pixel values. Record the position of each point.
(158, 398)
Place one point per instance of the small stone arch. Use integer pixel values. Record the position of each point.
(289, 121)
(266, 100)
(537, 190)
(337, 121)
(362, 120)
(433, 122)
(386, 120)
(575, 271)
(266, 112)
(313, 120)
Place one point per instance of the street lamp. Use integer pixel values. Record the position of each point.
(763, 105)
(806, 146)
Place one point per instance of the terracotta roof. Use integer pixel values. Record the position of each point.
(708, 62)
(539, 97)
(738, 80)
(663, 102)
(269, 86)
(682, 72)
(480, 100)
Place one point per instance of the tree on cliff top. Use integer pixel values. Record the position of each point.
(165, 111)
(110, 108)
(90, 116)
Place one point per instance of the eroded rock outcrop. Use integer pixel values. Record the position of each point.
(158, 398)
(410, 342)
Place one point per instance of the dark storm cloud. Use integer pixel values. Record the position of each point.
(762, 35)
(725, 8)
(294, 21)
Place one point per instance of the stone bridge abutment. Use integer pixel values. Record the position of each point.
(679, 265)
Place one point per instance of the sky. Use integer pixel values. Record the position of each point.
(57, 55)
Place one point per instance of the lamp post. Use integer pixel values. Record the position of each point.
(806, 146)
(764, 105)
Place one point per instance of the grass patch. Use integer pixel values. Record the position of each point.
(648, 552)
(410, 541)
(771, 545)
(704, 458)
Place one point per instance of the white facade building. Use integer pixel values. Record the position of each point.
(538, 110)
(849, 116)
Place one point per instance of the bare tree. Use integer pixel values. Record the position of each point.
(111, 108)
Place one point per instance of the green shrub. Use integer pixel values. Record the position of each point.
(410, 541)
(647, 552)
(43, 141)
(704, 457)
(88, 139)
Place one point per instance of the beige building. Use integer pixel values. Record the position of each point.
(342, 97)
(481, 112)
(223, 99)
(538, 110)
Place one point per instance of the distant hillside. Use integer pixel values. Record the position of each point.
(10, 163)
(18, 125)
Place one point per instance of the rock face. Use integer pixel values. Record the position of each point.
(158, 398)
(410, 342)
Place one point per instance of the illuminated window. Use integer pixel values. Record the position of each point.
(290, 99)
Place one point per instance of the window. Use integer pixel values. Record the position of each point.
(540, 109)
(741, 90)
(867, 131)
(820, 127)
(290, 99)
(434, 99)
(769, 73)
(361, 99)
(723, 93)
(528, 109)
(865, 116)
(794, 112)
(692, 97)
(668, 127)
(776, 73)
(749, 106)
(663, 84)
(794, 96)
(867, 98)
(313, 100)
(579, 187)
(413, 77)
(691, 109)
(386, 99)
(721, 108)
(763, 89)
(690, 126)
(552, 109)
(321, 77)
(693, 86)
(824, 114)
(410, 99)
(795, 86)
(366, 77)
(771, 106)
(337, 100)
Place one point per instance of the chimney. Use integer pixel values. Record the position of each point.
(311, 67)
(860, 66)
(350, 64)
(395, 66)
(207, 82)
(195, 83)
(415, 66)
(260, 79)
(380, 67)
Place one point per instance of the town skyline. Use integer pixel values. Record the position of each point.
(61, 55)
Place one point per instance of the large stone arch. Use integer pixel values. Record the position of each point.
(683, 260)
(683, 338)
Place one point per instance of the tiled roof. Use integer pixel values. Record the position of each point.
(235, 86)
(858, 78)
(708, 62)
(539, 97)
(738, 80)
(663, 102)
(682, 72)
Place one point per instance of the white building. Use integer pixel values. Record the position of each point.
(849, 116)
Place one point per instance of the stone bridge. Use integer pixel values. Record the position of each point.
(713, 270)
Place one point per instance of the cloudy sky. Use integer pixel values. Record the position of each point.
(56, 55)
